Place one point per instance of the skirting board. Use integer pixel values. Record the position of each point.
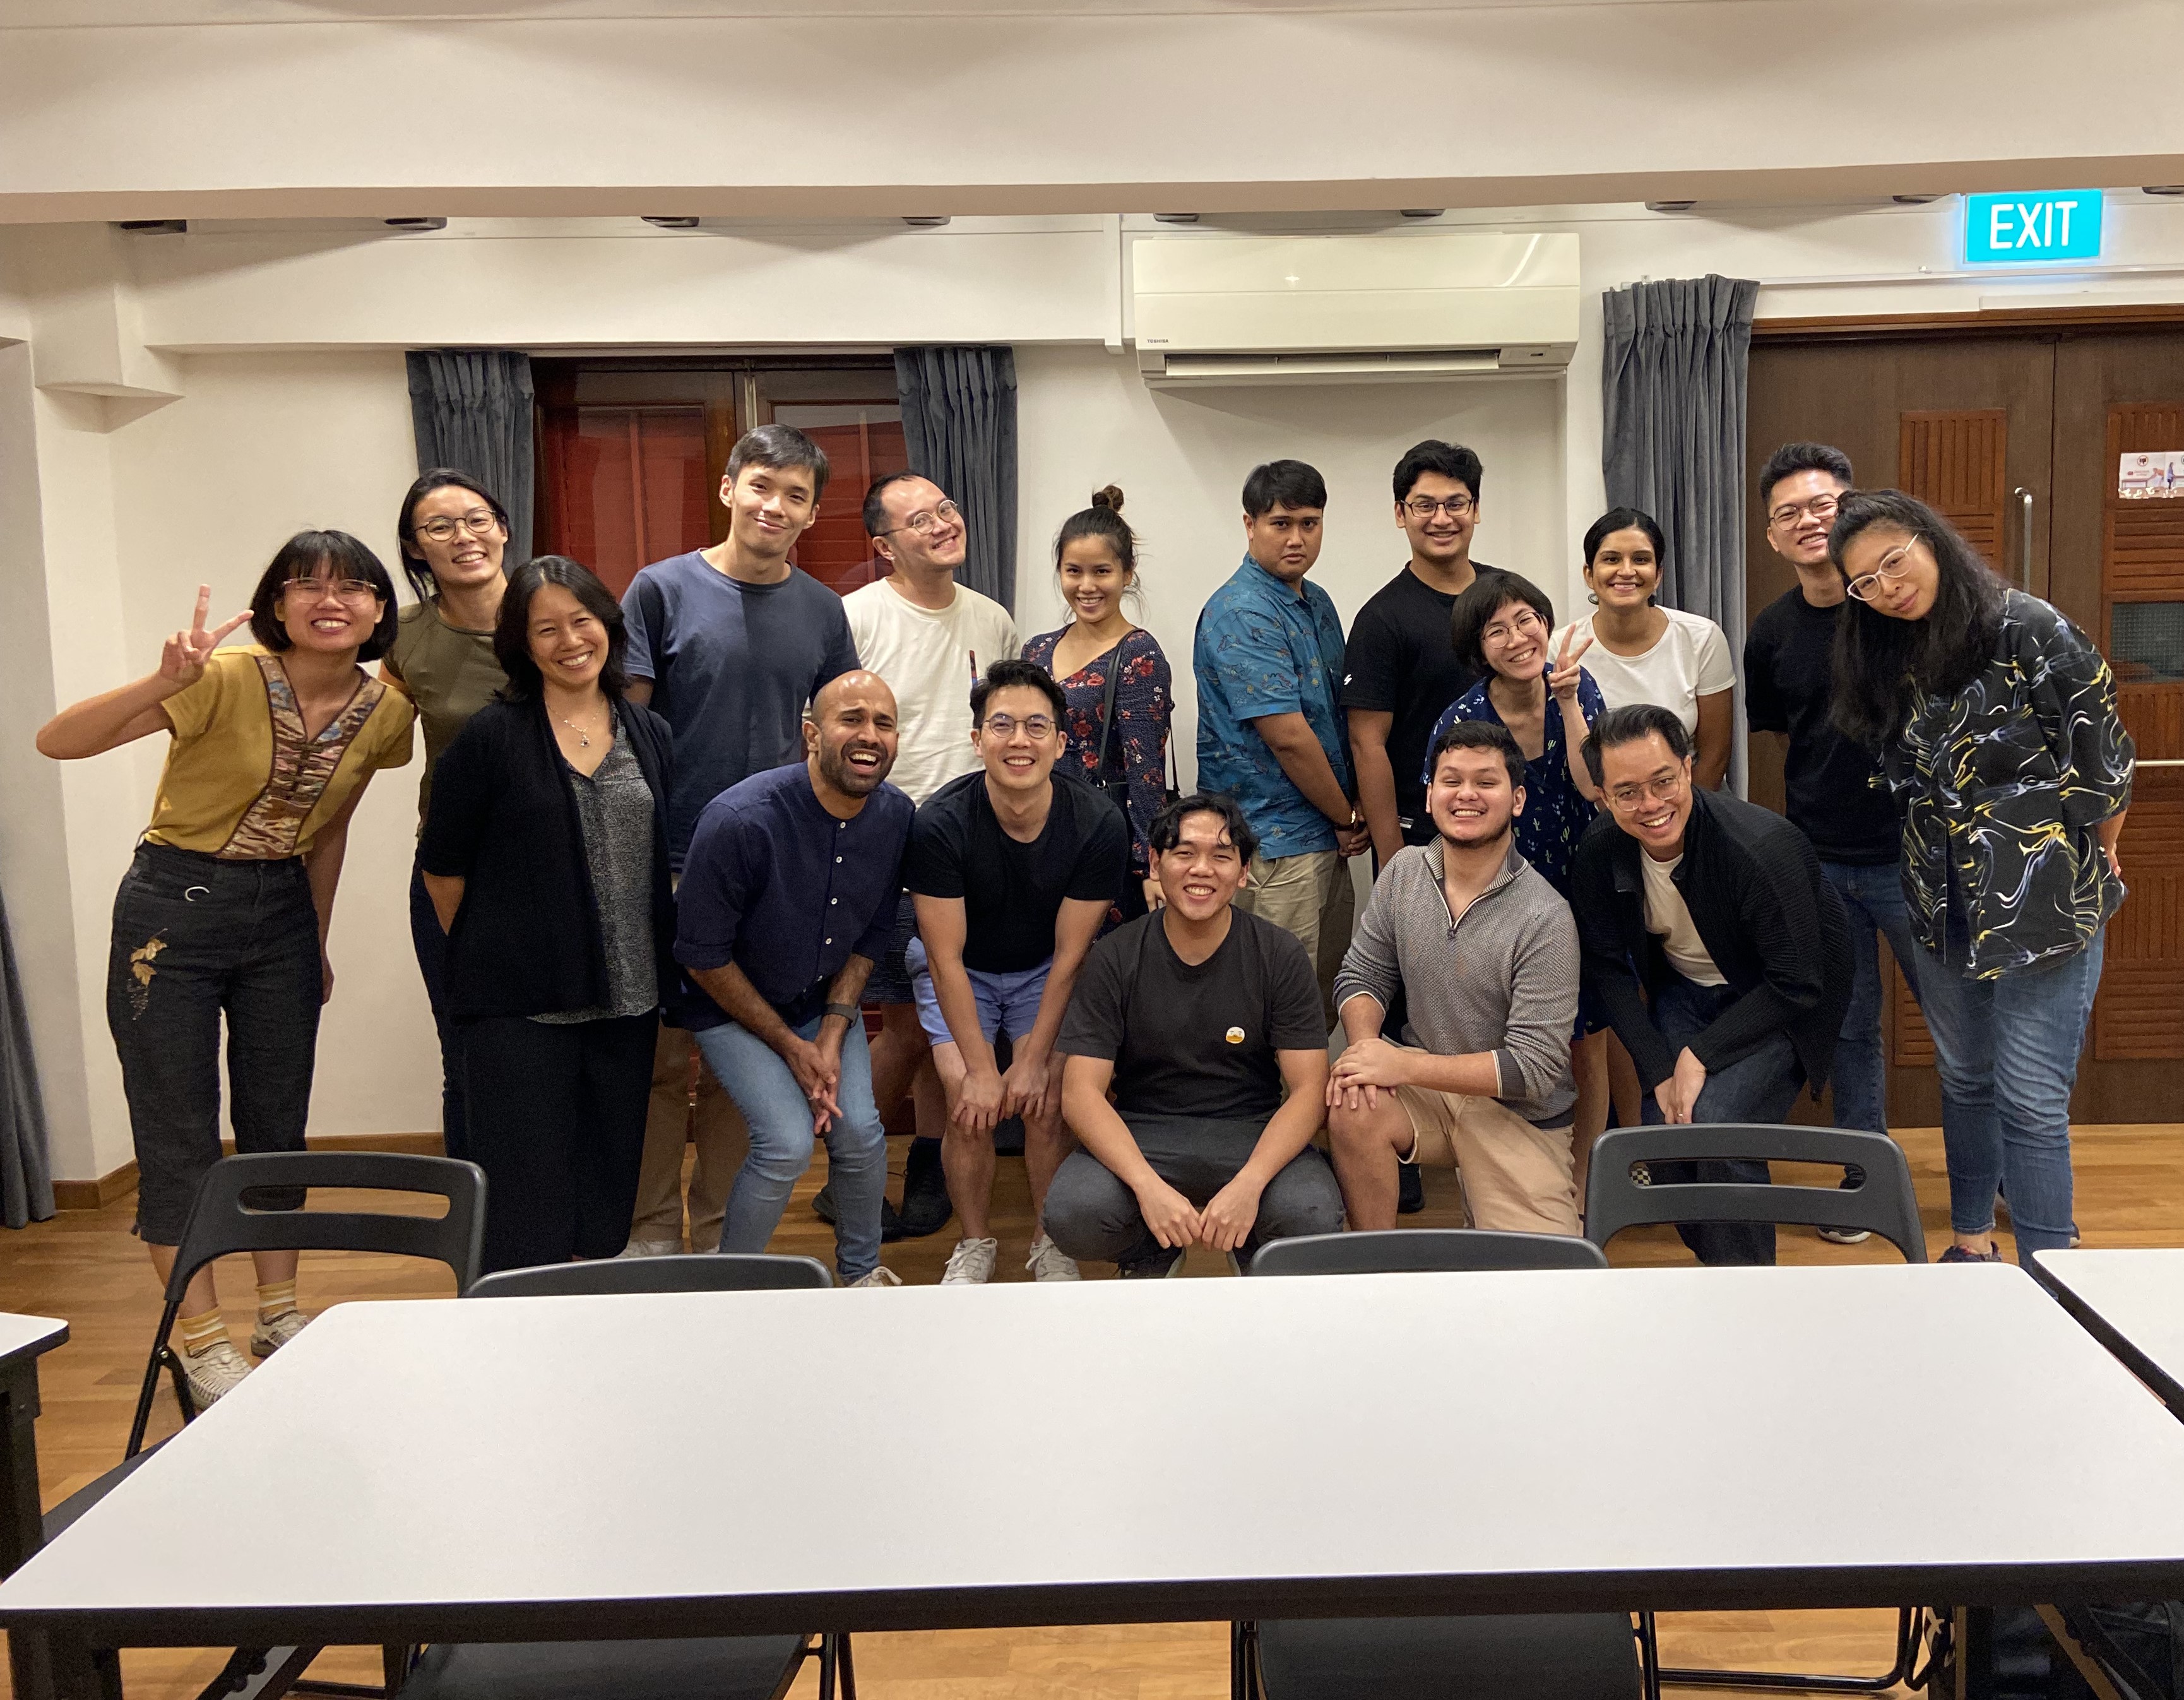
(95, 1194)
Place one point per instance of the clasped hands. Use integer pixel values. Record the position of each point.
(1225, 1223)
(989, 1095)
(1368, 1067)
(817, 1063)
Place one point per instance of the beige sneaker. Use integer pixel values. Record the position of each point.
(270, 1336)
(971, 1263)
(651, 1248)
(1049, 1263)
(880, 1277)
(214, 1373)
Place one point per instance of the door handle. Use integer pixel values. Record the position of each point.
(2023, 539)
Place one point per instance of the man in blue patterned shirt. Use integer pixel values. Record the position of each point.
(1268, 660)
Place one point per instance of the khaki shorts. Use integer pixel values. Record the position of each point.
(1517, 1177)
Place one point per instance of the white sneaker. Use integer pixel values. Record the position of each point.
(214, 1373)
(651, 1248)
(269, 1337)
(971, 1263)
(880, 1277)
(1049, 1263)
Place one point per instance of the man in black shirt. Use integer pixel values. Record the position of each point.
(1199, 1015)
(1400, 671)
(1828, 781)
(1013, 869)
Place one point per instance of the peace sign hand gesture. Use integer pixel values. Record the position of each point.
(1561, 679)
(183, 660)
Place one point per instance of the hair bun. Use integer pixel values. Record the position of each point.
(1110, 497)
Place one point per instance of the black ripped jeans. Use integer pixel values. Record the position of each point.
(195, 938)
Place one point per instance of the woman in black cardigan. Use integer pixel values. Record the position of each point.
(545, 855)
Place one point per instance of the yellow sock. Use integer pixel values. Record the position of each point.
(198, 1334)
(276, 1299)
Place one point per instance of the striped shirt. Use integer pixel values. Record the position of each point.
(1502, 978)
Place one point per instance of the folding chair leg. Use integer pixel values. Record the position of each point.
(1244, 1660)
(827, 1667)
(1909, 1625)
(848, 1671)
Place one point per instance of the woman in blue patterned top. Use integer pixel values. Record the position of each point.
(1501, 629)
(1999, 736)
(1096, 557)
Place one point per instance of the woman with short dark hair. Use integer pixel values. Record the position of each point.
(454, 533)
(224, 910)
(1996, 722)
(545, 855)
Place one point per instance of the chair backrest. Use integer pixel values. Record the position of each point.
(1424, 1251)
(701, 1272)
(1883, 1202)
(221, 1221)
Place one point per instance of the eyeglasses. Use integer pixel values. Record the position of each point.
(348, 589)
(1661, 787)
(1035, 726)
(1867, 585)
(1424, 507)
(1515, 627)
(945, 515)
(1820, 507)
(478, 522)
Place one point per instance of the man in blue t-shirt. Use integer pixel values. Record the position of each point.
(727, 644)
(1268, 661)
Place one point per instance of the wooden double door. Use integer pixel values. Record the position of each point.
(2020, 438)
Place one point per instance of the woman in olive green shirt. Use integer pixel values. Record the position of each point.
(454, 533)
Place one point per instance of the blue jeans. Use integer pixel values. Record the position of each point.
(753, 1073)
(430, 944)
(1873, 901)
(1758, 1088)
(2007, 1054)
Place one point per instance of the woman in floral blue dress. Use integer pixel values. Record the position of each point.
(1501, 629)
(1096, 557)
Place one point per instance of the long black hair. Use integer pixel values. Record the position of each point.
(405, 528)
(1883, 665)
(511, 633)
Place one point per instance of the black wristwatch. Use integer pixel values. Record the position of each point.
(849, 1013)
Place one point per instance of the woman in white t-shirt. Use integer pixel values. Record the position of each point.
(1642, 652)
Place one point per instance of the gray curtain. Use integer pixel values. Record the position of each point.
(1673, 387)
(26, 1179)
(472, 410)
(959, 422)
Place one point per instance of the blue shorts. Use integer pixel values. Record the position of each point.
(1007, 1002)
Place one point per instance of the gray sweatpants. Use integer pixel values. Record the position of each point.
(1094, 1218)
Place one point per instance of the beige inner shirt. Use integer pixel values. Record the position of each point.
(1669, 918)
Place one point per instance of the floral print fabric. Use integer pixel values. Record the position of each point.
(1554, 814)
(1145, 698)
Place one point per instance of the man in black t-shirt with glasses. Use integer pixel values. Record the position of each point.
(1198, 1015)
(1013, 869)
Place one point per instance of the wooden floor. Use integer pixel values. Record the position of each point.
(86, 1267)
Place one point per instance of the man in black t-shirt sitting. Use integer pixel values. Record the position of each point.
(1198, 1015)
(1013, 869)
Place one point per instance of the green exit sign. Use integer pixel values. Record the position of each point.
(2013, 230)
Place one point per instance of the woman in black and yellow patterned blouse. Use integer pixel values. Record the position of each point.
(2011, 769)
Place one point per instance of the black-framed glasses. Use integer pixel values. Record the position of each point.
(924, 521)
(1867, 585)
(1424, 507)
(479, 522)
(1821, 507)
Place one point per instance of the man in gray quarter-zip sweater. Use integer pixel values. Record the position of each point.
(1487, 952)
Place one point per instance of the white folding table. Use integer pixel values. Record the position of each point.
(1140, 1451)
(2132, 1301)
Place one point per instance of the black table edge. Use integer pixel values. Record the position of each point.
(2164, 1386)
(36, 1349)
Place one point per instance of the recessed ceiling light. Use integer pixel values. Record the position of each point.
(673, 223)
(1669, 206)
(1175, 218)
(415, 224)
(929, 221)
(153, 226)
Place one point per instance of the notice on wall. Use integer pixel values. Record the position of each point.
(2150, 475)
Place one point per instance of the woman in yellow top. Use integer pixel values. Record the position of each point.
(225, 907)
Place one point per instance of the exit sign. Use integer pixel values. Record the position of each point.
(2013, 230)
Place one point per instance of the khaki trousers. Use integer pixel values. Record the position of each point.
(1309, 897)
(1517, 1177)
(723, 1139)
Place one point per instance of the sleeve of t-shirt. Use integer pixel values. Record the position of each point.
(711, 903)
(1370, 664)
(841, 656)
(1295, 1019)
(392, 745)
(643, 619)
(1250, 658)
(1105, 856)
(196, 706)
(1717, 670)
(1092, 1027)
(932, 864)
(1764, 708)
(1005, 644)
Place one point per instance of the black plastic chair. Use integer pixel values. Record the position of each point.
(1883, 1202)
(1572, 1656)
(716, 1668)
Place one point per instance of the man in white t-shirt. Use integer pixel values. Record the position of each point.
(930, 639)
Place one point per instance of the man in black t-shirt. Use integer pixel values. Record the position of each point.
(1401, 669)
(1198, 1015)
(1828, 781)
(1013, 869)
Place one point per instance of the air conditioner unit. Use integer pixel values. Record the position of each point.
(1288, 309)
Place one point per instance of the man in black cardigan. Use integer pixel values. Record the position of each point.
(1717, 946)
